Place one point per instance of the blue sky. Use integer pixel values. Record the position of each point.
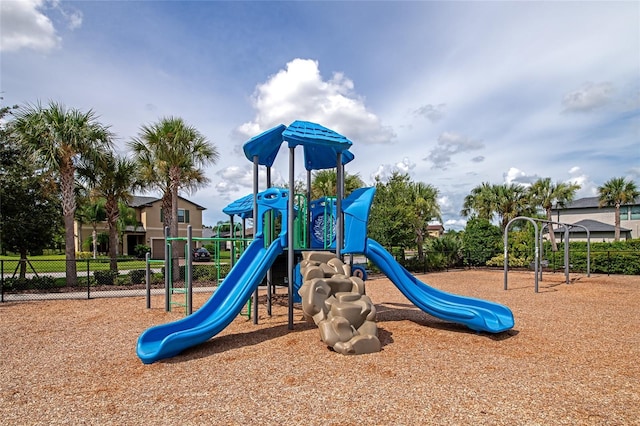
(453, 93)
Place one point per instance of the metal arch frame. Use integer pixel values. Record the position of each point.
(536, 260)
(567, 228)
(538, 243)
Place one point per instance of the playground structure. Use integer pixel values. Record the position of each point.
(237, 246)
(323, 149)
(537, 260)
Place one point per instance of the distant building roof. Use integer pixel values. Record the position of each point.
(142, 201)
(139, 201)
(592, 226)
(587, 203)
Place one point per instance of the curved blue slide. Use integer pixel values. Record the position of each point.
(167, 340)
(477, 314)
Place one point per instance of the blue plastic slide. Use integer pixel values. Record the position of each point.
(477, 314)
(168, 340)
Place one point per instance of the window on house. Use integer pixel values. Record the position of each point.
(635, 212)
(183, 216)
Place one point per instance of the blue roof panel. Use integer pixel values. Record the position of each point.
(320, 145)
(265, 146)
(242, 207)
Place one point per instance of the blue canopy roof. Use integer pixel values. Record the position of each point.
(320, 145)
(242, 207)
(265, 146)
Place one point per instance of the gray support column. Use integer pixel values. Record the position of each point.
(308, 218)
(269, 240)
(232, 234)
(290, 253)
(189, 274)
(566, 253)
(339, 198)
(255, 228)
(167, 271)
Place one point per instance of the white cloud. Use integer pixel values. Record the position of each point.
(433, 113)
(237, 181)
(517, 176)
(300, 93)
(25, 26)
(634, 174)
(588, 188)
(384, 171)
(450, 143)
(457, 224)
(588, 97)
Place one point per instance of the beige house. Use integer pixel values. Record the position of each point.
(150, 229)
(435, 230)
(599, 220)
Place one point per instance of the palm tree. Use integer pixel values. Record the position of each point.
(170, 155)
(545, 194)
(93, 212)
(505, 201)
(111, 178)
(617, 192)
(58, 138)
(424, 199)
(512, 200)
(324, 183)
(480, 203)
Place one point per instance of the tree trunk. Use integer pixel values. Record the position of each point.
(111, 207)
(552, 235)
(68, 211)
(23, 263)
(174, 233)
(174, 179)
(94, 241)
(420, 242)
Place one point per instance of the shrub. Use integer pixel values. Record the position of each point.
(514, 261)
(204, 273)
(43, 282)
(140, 250)
(105, 277)
(481, 241)
(157, 278)
(137, 276)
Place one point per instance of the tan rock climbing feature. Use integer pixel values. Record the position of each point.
(338, 305)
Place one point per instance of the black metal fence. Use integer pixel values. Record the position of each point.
(47, 279)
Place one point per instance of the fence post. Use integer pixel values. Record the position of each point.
(88, 280)
(1, 280)
(147, 278)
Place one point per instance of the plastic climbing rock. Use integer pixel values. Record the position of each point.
(337, 303)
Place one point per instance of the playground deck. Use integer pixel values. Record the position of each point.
(570, 359)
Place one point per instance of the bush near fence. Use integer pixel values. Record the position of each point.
(606, 258)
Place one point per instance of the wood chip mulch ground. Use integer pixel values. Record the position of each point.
(573, 358)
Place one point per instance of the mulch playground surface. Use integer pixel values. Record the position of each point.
(572, 358)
